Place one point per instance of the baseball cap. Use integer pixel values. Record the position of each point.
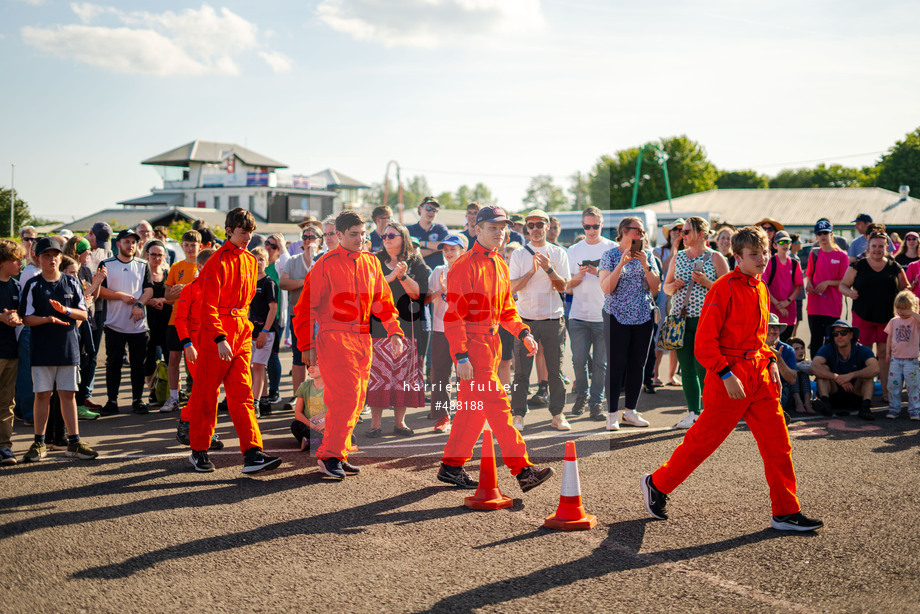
(81, 246)
(430, 200)
(782, 234)
(863, 217)
(451, 240)
(517, 218)
(127, 232)
(47, 244)
(536, 213)
(102, 231)
(492, 213)
(823, 226)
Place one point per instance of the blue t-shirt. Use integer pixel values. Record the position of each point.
(435, 234)
(53, 345)
(630, 302)
(376, 241)
(788, 355)
(856, 361)
(9, 299)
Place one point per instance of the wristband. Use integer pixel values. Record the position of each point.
(727, 375)
(550, 271)
(187, 345)
(266, 331)
(403, 278)
(68, 311)
(463, 361)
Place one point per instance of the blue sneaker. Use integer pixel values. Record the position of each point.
(7, 457)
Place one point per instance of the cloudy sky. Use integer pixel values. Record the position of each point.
(461, 91)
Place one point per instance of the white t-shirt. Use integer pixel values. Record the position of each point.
(538, 300)
(587, 297)
(131, 278)
(439, 304)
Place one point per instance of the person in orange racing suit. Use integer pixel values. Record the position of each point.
(228, 283)
(339, 293)
(742, 381)
(478, 301)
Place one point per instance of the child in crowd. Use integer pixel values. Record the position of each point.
(11, 253)
(310, 415)
(742, 381)
(784, 280)
(902, 350)
(53, 306)
(180, 275)
(802, 388)
(262, 313)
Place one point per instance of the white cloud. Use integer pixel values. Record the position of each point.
(278, 62)
(191, 42)
(430, 23)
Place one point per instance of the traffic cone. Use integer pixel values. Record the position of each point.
(488, 496)
(570, 515)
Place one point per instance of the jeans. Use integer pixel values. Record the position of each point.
(627, 363)
(115, 343)
(548, 334)
(904, 371)
(88, 364)
(274, 374)
(586, 336)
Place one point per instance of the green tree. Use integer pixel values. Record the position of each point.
(901, 164)
(22, 215)
(543, 194)
(447, 200)
(689, 171)
(822, 176)
(747, 179)
(480, 193)
(580, 190)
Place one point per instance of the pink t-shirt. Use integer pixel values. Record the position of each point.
(904, 336)
(784, 281)
(913, 276)
(827, 265)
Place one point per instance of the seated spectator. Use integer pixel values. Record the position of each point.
(845, 371)
(785, 361)
(802, 389)
(310, 415)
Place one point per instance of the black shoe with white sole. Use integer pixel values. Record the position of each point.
(182, 432)
(201, 462)
(656, 502)
(795, 522)
(531, 477)
(332, 467)
(350, 469)
(456, 476)
(255, 460)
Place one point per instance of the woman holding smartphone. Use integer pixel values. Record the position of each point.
(630, 279)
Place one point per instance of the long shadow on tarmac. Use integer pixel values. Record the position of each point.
(615, 554)
(347, 521)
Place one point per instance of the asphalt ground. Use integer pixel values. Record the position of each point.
(137, 530)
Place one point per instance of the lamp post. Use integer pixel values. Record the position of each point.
(12, 198)
(662, 158)
(400, 206)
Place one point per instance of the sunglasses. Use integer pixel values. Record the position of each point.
(329, 234)
(532, 225)
(155, 255)
(389, 236)
(823, 232)
(840, 333)
(911, 239)
(638, 229)
(784, 242)
(686, 231)
(430, 209)
(591, 226)
(270, 245)
(30, 239)
(309, 237)
(769, 228)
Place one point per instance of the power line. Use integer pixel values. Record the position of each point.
(868, 153)
(428, 170)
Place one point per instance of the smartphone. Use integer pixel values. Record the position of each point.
(594, 263)
(636, 246)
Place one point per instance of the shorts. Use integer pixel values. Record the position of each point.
(507, 343)
(65, 377)
(173, 343)
(297, 354)
(841, 399)
(870, 332)
(261, 356)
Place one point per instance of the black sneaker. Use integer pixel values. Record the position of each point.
(656, 502)
(866, 414)
(139, 407)
(265, 407)
(795, 522)
(255, 460)
(648, 388)
(540, 399)
(201, 462)
(456, 476)
(529, 477)
(109, 409)
(274, 397)
(182, 432)
(822, 407)
(222, 406)
(332, 467)
(350, 469)
(152, 400)
(581, 403)
(216, 443)
(597, 412)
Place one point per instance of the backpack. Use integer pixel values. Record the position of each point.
(160, 384)
(773, 264)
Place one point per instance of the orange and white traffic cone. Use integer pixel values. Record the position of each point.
(488, 496)
(570, 515)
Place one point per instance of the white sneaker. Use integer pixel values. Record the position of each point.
(518, 423)
(612, 423)
(687, 421)
(171, 405)
(634, 418)
(561, 424)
